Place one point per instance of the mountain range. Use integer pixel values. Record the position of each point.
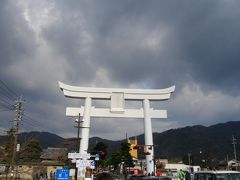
(215, 141)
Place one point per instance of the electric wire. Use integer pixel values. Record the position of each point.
(7, 102)
(27, 123)
(4, 106)
(8, 106)
(29, 120)
(8, 96)
(9, 89)
(24, 123)
(3, 110)
(34, 126)
(4, 101)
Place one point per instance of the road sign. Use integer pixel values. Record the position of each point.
(18, 147)
(62, 174)
(79, 155)
(85, 163)
(92, 164)
(96, 157)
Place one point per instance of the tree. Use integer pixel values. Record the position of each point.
(122, 156)
(2, 154)
(8, 149)
(31, 151)
(115, 160)
(160, 165)
(126, 156)
(101, 149)
(8, 146)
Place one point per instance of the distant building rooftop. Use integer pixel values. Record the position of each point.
(53, 154)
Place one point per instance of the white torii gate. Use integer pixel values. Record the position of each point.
(117, 110)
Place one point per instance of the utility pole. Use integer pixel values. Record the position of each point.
(78, 139)
(234, 148)
(17, 120)
(189, 159)
(227, 162)
(234, 151)
(78, 121)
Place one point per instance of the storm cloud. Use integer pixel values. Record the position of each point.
(128, 44)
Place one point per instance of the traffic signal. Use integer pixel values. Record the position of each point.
(102, 153)
(135, 147)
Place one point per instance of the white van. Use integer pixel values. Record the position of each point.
(217, 175)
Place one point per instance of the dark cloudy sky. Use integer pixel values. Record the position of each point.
(194, 45)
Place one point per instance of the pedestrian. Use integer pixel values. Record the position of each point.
(88, 173)
(45, 176)
(187, 176)
(159, 173)
(36, 177)
(51, 175)
(181, 175)
(41, 175)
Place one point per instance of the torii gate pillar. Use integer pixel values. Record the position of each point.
(117, 110)
(148, 136)
(86, 126)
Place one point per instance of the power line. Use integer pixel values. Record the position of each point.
(31, 123)
(6, 94)
(3, 110)
(28, 119)
(10, 91)
(9, 94)
(4, 101)
(26, 123)
(2, 133)
(34, 121)
(4, 106)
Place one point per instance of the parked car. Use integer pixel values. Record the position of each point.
(217, 175)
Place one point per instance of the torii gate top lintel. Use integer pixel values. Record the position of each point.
(107, 93)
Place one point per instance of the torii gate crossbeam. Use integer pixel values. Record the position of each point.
(117, 110)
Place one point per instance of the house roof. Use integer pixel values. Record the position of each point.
(53, 153)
